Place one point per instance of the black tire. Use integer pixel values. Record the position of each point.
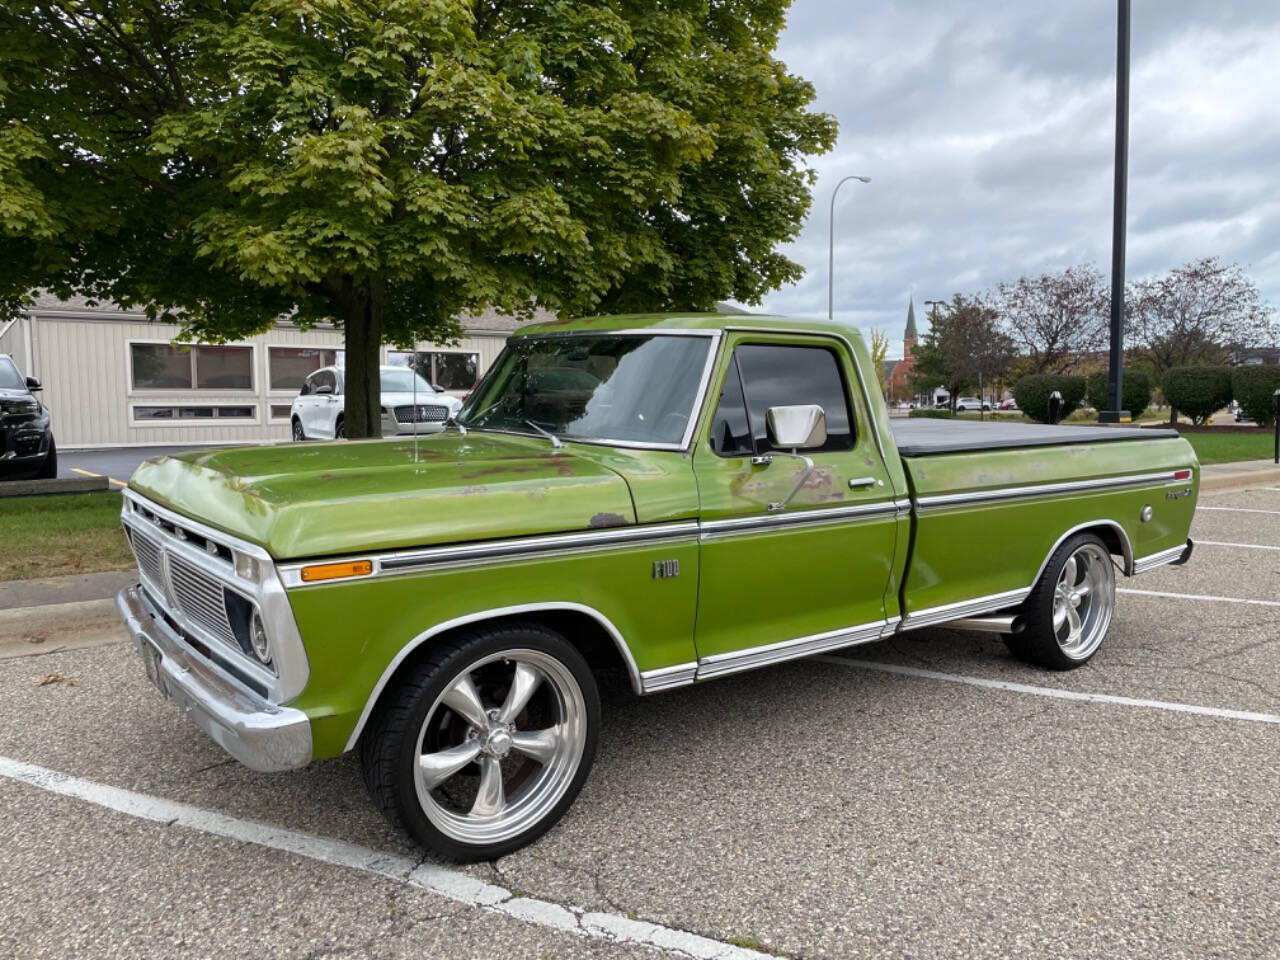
(339, 429)
(299, 434)
(389, 747)
(1041, 642)
(49, 469)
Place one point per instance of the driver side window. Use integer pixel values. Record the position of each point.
(761, 376)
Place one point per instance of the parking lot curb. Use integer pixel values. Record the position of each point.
(35, 488)
(25, 631)
(1230, 477)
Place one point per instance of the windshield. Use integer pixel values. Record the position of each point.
(402, 381)
(9, 378)
(634, 388)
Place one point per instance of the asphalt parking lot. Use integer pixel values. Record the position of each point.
(116, 464)
(925, 796)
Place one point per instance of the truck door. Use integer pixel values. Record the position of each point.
(781, 581)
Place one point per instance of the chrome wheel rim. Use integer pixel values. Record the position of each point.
(500, 746)
(1082, 601)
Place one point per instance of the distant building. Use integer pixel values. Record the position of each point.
(898, 373)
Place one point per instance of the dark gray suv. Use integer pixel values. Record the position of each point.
(26, 429)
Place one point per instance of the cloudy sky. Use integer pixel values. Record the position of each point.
(988, 130)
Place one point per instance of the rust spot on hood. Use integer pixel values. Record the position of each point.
(607, 520)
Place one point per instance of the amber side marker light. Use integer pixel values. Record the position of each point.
(1182, 475)
(336, 571)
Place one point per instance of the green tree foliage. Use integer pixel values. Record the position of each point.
(1032, 393)
(964, 346)
(1199, 392)
(879, 345)
(1254, 387)
(1135, 390)
(393, 165)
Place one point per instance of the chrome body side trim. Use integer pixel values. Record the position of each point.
(1144, 564)
(722, 664)
(951, 500)
(665, 678)
(268, 593)
(632, 671)
(715, 529)
(260, 734)
(964, 608)
(517, 548)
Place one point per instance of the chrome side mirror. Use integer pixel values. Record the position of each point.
(799, 427)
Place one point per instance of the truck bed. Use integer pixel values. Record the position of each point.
(922, 436)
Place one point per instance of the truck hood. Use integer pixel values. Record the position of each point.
(317, 499)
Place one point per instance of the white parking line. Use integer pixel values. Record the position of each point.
(1242, 546)
(1237, 510)
(1198, 596)
(1056, 694)
(451, 884)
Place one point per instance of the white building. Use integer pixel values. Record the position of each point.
(112, 379)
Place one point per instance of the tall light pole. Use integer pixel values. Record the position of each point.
(831, 244)
(1115, 373)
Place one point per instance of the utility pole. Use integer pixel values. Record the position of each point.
(1115, 413)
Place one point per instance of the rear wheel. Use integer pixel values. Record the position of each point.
(485, 743)
(339, 429)
(1069, 611)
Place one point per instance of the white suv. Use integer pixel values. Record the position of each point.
(317, 411)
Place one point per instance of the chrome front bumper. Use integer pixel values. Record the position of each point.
(260, 734)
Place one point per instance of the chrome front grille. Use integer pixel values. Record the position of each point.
(423, 413)
(200, 597)
(147, 553)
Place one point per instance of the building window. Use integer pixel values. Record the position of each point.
(448, 370)
(163, 366)
(172, 413)
(289, 366)
(281, 411)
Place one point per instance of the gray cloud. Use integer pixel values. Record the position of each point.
(987, 130)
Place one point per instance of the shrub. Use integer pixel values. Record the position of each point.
(1255, 387)
(1032, 393)
(1199, 392)
(1135, 391)
(931, 414)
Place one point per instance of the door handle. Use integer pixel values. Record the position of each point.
(857, 482)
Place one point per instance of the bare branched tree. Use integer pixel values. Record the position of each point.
(1202, 312)
(1055, 318)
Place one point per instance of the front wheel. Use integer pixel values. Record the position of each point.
(299, 434)
(485, 743)
(1069, 610)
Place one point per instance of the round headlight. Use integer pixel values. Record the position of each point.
(258, 638)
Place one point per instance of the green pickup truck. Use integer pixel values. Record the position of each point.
(679, 497)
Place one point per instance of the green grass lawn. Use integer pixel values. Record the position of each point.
(1229, 447)
(54, 535)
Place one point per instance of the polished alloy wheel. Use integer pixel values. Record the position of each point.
(500, 746)
(1082, 601)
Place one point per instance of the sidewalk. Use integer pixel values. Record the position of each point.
(1224, 477)
(61, 613)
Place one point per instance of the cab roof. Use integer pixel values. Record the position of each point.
(659, 322)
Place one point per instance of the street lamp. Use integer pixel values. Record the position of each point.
(831, 244)
(1115, 366)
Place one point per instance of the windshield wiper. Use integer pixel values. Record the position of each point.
(555, 441)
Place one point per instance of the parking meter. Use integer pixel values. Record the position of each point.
(1055, 407)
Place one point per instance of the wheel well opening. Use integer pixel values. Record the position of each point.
(594, 642)
(1115, 543)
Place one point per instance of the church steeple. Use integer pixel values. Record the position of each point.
(909, 338)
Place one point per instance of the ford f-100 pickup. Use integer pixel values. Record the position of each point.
(679, 497)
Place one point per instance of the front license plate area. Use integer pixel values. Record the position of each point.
(151, 658)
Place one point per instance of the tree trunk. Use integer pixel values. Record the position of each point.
(362, 306)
